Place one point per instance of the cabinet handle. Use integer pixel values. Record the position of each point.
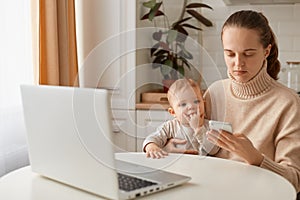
(115, 126)
(110, 88)
(116, 130)
(163, 99)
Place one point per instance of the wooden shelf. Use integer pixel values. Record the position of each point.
(153, 101)
(151, 106)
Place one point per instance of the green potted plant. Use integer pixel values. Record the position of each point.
(169, 53)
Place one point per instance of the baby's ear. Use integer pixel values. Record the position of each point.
(171, 111)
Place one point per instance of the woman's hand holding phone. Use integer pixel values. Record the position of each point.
(221, 134)
(218, 125)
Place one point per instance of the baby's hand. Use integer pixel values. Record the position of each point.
(194, 121)
(153, 151)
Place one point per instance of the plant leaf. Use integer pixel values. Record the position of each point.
(198, 5)
(146, 16)
(159, 13)
(169, 63)
(185, 54)
(154, 48)
(186, 62)
(154, 10)
(157, 35)
(171, 36)
(181, 30)
(179, 22)
(166, 68)
(181, 71)
(181, 37)
(156, 65)
(150, 4)
(164, 45)
(191, 26)
(200, 18)
(161, 52)
(158, 61)
(175, 64)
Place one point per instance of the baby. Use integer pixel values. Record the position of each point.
(187, 107)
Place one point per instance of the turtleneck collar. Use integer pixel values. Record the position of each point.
(258, 85)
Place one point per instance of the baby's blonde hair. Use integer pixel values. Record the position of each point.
(181, 85)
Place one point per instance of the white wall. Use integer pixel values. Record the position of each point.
(283, 18)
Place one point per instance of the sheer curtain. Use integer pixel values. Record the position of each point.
(15, 69)
(19, 53)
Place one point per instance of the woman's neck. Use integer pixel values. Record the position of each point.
(260, 84)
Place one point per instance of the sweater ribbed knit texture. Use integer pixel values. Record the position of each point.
(268, 113)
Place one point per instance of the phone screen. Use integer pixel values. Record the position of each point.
(217, 125)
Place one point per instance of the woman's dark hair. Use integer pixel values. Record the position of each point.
(257, 21)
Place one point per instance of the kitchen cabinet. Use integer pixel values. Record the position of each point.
(147, 123)
(123, 128)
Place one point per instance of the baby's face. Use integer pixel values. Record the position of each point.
(186, 103)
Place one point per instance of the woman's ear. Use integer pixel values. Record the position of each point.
(268, 50)
(171, 111)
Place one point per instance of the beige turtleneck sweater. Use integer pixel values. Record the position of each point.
(268, 113)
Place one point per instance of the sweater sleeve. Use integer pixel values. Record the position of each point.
(286, 161)
(160, 136)
(289, 172)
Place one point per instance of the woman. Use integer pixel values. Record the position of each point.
(264, 114)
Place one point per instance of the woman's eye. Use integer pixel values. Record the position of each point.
(230, 55)
(249, 54)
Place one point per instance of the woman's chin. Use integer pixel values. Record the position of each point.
(241, 79)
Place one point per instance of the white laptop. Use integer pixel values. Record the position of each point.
(70, 140)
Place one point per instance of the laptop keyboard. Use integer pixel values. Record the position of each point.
(129, 183)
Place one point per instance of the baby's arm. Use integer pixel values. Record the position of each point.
(154, 151)
(154, 142)
(197, 126)
(206, 147)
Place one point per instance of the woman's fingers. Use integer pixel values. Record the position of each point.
(238, 144)
(222, 139)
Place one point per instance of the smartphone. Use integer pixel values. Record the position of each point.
(217, 125)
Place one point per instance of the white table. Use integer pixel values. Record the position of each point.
(212, 179)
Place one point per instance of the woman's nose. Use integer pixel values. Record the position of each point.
(239, 61)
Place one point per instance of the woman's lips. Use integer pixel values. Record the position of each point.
(239, 72)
